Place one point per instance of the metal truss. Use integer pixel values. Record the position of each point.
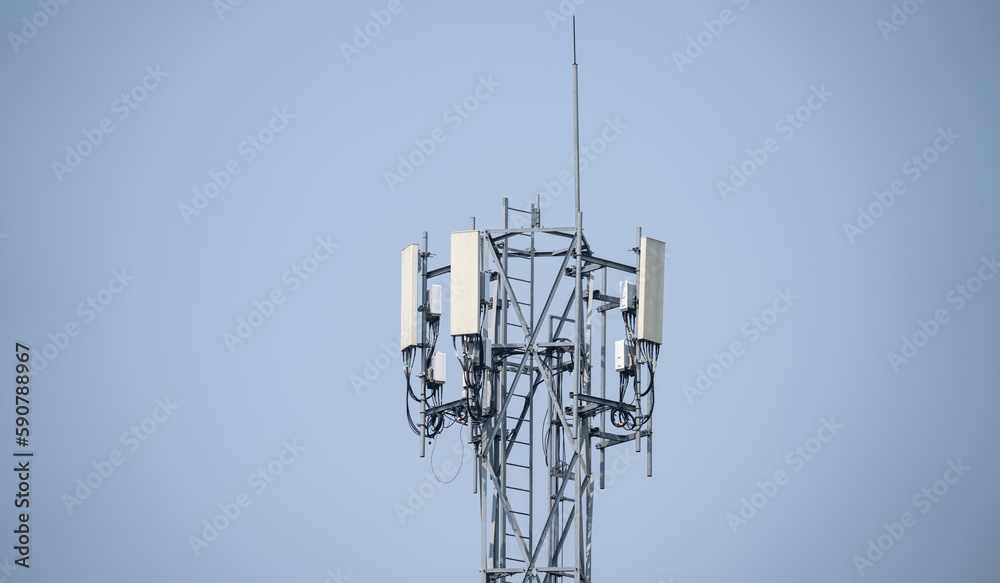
(542, 359)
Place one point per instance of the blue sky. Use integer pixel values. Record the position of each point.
(839, 154)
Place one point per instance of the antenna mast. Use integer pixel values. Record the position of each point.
(583, 546)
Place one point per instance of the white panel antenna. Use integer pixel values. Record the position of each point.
(652, 254)
(409, 331)
(465, 283)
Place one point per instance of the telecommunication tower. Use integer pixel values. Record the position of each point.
(519, 354)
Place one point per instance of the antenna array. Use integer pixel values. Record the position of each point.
(520, 353)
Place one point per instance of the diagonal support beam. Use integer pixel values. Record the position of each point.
(505, 504)
(562, 537)
(549, 521)
(533, 349)
(550, 385)
(566, 527)
(531, 334)
(520, 418)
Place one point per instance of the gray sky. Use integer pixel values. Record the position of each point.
(200, 237)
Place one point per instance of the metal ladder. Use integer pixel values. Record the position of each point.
(517, 431)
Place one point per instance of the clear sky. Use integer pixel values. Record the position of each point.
(202, 206)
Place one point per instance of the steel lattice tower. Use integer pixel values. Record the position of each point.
(521, 353)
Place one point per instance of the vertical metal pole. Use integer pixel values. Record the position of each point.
(638, 369)
(531, 381)
(604, 360)
(649, 430)
(555, 444)
(484, 493)
(576, 142)
(422, 267)
(472, 227)
(490, 456)
(475, 473)
(501, 393)
(578, 343)
(649, 448)
(589, 492)
(494, 457)
(480, 450)
(552, 430)
(483, 509)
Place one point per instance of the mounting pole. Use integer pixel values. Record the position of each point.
(422, 268)
(576, 145)
(578, 422)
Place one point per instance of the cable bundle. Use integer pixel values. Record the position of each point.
(409, 355)
(435, 422)
(474, 377)
(646, 352)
